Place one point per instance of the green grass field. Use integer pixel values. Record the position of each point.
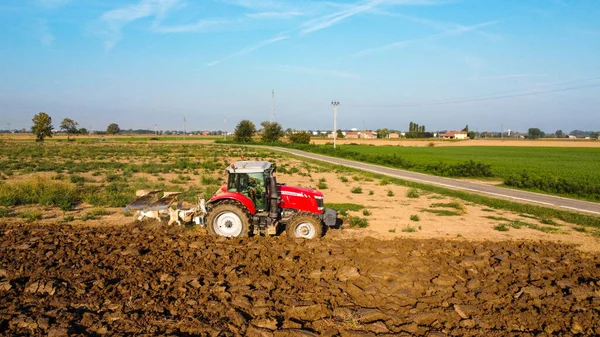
(570, 172)
(505, 161)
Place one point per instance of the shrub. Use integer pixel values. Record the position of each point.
(300, 138)
(501, 228)
(40, 191)
(356, 190)
(345, 207)
(409, 229)
(366, 212)
(581, 187)
(413, 193)
(32, 215)
(415, 218)
(344, 179)
(456, 205)
(390, 193)
(355, 221)
(321, 185)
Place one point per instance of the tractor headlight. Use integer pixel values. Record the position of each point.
(320, 203)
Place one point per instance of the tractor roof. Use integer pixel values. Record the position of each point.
(247, 166)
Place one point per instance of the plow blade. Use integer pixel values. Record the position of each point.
(150, 205)
(144, 199)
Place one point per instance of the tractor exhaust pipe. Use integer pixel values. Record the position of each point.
(273, 197)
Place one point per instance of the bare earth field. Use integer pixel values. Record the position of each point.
(151, 280)
(426, 265)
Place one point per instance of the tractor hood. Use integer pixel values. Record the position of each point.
(301, 198)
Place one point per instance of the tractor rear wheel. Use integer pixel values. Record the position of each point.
(229, 220)
(304, 226)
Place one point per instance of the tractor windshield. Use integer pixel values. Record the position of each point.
(251, 185)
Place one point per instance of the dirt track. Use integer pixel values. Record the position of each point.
(151, 280)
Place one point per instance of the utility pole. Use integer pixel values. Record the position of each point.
(184, 132)
(225, 133)
(335, 106)
(273, 106)
(501, 131)
(155, 129)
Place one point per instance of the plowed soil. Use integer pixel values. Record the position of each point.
(149, 279)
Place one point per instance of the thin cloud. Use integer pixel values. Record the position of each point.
(312, 71)
(249, 50)
(274, 15)
(116, 19)
(337, 17)
(451, 32)
(200, 25)
(430, 23)
(255, 3)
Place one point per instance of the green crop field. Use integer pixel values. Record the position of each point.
(505, 161)
(571, 172)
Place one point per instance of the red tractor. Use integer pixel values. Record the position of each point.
(251, 202)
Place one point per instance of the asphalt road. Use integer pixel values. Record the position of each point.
(493, 191)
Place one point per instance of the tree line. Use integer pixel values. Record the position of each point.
(42, 127)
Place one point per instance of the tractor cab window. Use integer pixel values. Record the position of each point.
(251, 185)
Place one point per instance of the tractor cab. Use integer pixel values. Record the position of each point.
(252, 179)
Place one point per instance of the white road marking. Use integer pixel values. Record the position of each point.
(579, 209)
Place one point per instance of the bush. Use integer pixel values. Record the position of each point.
(355, 221)
(356, 190)
(41, 191)
(366, 212)
(300, 138)
(390, 193)
(415, 218)
(501, 228)
(31, 216)
(409, 229)
(413, 193)
(582, 187)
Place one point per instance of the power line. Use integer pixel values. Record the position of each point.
(487, 97)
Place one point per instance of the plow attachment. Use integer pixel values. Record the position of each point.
(149, 205)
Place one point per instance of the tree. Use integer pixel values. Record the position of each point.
(113, 129)
(339, 134)
(471, 134)
(271, 132)
(466, 129)
(383, 133)
(244, 131)
(559, 134)
(415, 130)
(534, 133)
(69, 126)
(594, 135)
(83, 131)
(42, 126)
(300, 138)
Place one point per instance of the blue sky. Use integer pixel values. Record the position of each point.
(441, 63)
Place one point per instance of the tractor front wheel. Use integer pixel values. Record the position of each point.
(229, 220)
(304, 226)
